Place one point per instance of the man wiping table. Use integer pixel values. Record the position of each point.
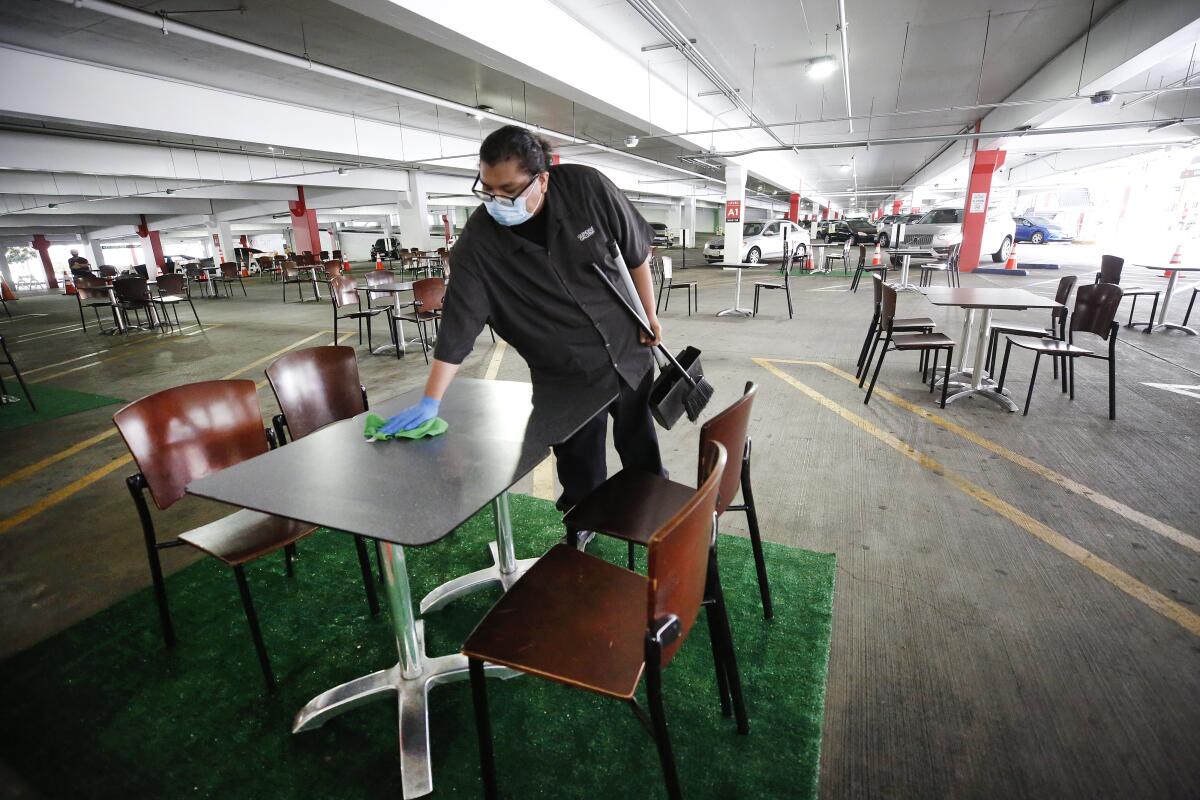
(523, 265)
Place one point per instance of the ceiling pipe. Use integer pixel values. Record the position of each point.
(845, 64)
(167, 25)
(955, 137)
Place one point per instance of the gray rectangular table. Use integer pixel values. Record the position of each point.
(737, 310)
(499, 431)
(1174, 269)
(982, 300)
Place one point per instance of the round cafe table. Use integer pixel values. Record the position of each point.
(1174, 270)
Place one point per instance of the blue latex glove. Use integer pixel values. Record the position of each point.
(412, 416)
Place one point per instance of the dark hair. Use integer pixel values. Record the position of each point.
(531, 151)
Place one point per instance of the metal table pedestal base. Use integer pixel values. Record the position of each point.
(989, 392)
(464, 585)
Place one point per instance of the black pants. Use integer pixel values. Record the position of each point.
(581, 459)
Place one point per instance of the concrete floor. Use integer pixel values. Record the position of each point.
(1015, 615)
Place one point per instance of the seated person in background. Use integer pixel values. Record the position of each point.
(77, 261)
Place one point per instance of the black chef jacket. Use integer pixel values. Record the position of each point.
(548, 302)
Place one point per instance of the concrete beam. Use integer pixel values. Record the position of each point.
(68, 205)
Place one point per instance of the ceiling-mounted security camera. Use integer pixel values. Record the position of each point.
(631, 141)
(1100, 98)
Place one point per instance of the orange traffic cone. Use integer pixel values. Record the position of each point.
(378, 262)
(875, 258)
(6, 292)
(68, 287)
(808, 265)
(345, 264)
(1012, 258)
(1175, 261)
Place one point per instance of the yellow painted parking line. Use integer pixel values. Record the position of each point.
(1156, 601)
(272, 356)
(32, 469)
(1117, 507)
(59, 495)
(493, 367)
(122, 354)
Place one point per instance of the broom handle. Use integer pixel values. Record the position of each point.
(633, 312)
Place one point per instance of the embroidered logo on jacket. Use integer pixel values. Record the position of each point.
(586, 234)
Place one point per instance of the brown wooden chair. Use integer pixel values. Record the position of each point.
(1057, 329)
(231, 274)
(1111, 268)
(343, 293)
(268, 266)
(377, 277)
(133, 294)
(199, 277)
(768, 286)
(12, 364)
(315, 387)
(92, 292)
(181, 434)
(843, 256)
(880, 268)
(172, 290)
(291, 274)
(902, 325)
(632, 504)
(617, 625)
(336, 255)
(923, 342)
(428, 294)
(1095, 313)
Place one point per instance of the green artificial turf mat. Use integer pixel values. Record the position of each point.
(51, 403)
(104, 710)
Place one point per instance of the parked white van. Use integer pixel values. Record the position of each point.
(760, 241)
(941, 229)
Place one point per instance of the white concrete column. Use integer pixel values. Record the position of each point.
(689, 221)
(674, 216)
(412, 211)
(5, 272)
(148, 257)
(735, 192)
(225, 235)
(93, 252)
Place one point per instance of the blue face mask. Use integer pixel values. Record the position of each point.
(508, 215)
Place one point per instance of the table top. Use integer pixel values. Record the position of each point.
(1012, 299)
(412, 492)
(1171, 267)
(386, 287)
(742, 265)
(912, 251)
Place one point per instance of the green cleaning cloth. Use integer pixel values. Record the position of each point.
(434, 427)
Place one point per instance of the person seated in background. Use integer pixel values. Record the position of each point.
(78, 264)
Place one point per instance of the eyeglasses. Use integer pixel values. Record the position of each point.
(500, 199)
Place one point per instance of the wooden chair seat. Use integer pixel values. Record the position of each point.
(1019, 328)
(573, 619)
(1055, 347)
(630, 505)
(912, 323)
(921, 341)
(246, 535)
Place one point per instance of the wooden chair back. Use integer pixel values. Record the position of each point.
(678, 555)
(107, 272)
(290, 270)
(172, 283)
(336, 255)
(1065, 284)
(187, 432)
(229, 270)
(265, 263)
(377, 277)
(1110, 269)
(730, 427)
(316, 386)
(429, 294)
(90, 288)
(344, 291)
(1096, 308)
(131, 289)
(887, 306)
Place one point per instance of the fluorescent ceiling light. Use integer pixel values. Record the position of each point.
(821, 67)
(662, 46)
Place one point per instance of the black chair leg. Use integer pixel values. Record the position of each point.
(787, 290)
(862, 354)
(714, 592)
(1032, 379)
(631, 557)
(1112, 385)
(718, 660)
(1153, 311)
(255, 631)
(160, 594)
(483, 729)
(933, 373)
(658, 719)
(1132, 306)
(1071, 378)
(370, 344)
(1064, 373)
(875, 376)
(379, 559)
(289, 558)
(760, 562)
(1004, 368)
(199, 324)
(946, 377)
(755, 307)
(1187, 314)
(862, 379)
(364, 565)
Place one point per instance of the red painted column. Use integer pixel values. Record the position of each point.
(305, 233)
(42, 245)
(895, 206)
(794, 207)
(983, 166)
(825, 212)
(555, 159)
(144, 232)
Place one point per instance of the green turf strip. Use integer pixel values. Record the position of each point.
(103, 710)
(51, 403)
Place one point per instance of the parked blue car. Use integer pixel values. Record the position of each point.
(1038, 230)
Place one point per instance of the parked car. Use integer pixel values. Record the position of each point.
(1039, 230)
(941, 229)
(389, 248)
(762, 240)
(858, 231)
(662, 236)
(885, 231)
